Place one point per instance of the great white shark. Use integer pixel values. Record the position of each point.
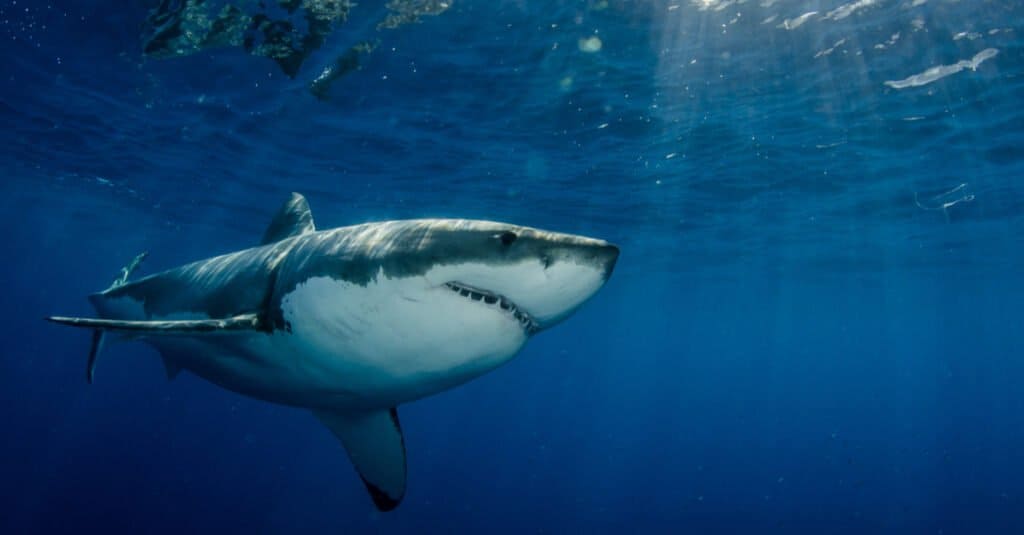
(352, 322)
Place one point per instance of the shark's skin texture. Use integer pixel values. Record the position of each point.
(354, 321)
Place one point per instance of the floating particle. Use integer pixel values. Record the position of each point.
(590, 44)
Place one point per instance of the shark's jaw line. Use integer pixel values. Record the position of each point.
(487, 298)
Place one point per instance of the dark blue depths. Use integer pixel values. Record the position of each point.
(813, 326)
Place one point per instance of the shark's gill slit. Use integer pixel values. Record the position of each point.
(488, 298)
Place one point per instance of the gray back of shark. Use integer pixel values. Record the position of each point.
(353, 321)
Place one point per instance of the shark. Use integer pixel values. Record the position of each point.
(351, 322)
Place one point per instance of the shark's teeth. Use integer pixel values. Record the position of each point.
(488, 298)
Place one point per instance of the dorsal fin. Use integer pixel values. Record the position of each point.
(292, 219)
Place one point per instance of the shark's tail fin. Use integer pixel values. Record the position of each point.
(98, 335)
(127, 271)
(94, 351)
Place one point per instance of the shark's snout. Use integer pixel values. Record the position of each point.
(583, 265)
(609, 255)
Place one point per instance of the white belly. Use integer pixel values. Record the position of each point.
(394, 340)
(351, 346)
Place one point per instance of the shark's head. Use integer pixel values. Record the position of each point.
(539, 277)
(428, 304)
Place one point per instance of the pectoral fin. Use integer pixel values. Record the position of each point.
(375, 446)
(243, 322)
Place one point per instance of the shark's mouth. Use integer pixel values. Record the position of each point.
(487, 298)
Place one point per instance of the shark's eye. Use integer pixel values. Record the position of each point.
(507, 237)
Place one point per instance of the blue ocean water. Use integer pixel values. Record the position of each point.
(813, 327)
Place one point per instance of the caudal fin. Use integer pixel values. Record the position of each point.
(94, 351)
(122, 278)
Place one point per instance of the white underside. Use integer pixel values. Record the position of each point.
(377, 345)
(352, 346)
(395, 340)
